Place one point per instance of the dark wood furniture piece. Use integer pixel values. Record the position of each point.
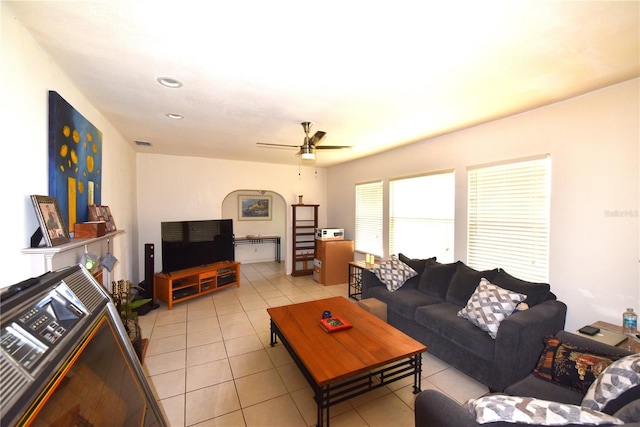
(628, 344)
(305, 222)
(190, 283)
(346, 363)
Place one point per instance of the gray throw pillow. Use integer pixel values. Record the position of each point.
(464, 283)
(529, 410)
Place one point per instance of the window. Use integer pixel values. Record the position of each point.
(508, 218)
(421, 216)
(369, 218)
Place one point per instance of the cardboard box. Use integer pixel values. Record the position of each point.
(90, 229)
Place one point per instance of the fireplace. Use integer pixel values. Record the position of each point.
(66, 359)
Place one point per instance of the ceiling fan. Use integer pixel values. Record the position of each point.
(310, 145)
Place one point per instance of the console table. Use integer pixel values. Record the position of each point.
(255, 240)
(355, 278)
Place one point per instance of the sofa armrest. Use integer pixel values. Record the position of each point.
(520, 340)
(369, 280)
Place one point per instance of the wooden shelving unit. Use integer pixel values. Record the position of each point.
(186, 284)
(305, 222)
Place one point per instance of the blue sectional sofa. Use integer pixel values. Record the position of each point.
(426, 308)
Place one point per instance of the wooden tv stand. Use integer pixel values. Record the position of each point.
(184, 285)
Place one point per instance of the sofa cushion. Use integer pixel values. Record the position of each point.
(570, 366)
(630, 413)
(464, 282)
(404, 301)
(528, 410)
(443, 320)
(393, 273)
(535, 292)
(436, 277)
(489, 306)
(619, 377)
(415, 263)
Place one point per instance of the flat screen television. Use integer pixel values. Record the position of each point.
(187, 244)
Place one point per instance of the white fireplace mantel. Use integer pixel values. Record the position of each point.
(80, 246)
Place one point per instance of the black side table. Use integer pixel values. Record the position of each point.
(355, 278)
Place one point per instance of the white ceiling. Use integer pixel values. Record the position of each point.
(374, 75)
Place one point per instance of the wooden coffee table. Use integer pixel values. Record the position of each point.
(347, 363)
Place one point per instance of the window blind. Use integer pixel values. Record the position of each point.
(421, 216)
(369, 218)
(508, 218)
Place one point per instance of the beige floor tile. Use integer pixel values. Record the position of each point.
(204, 324)
(206, 353)
(166, 345)
(208, 374)
(232, 318)
(279, 411)
(241, 345)
(233, 419)
(293, 378)
(250, 363)
(279, 355)
(386, 411)
(457, 385)
(169, 330)
(202, 313)
(349, 419)
(237, 330)
(209, 336)
(165, 362)
(210, 402)
(259, 387)
(169, 384)
(173, 409)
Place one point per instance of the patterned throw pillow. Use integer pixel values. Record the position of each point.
(393, 273)
(570, 366)
(528, 410)
(620, 376)
(489, 305)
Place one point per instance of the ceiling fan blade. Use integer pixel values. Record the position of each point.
(333, 147)
(317, 137)
(278, 145)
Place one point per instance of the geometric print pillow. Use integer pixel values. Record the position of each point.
(617, 378)
(393, 273)
(528, 410)
(489, 305)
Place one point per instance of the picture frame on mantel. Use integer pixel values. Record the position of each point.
(254, 208)
(52, 225)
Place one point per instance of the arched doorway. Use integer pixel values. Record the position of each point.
(273, 225)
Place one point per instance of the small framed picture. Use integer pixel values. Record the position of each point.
(254, 208)
(54, 230)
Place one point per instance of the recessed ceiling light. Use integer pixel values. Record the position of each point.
(143, 143)
(175, 116)
(169, 82)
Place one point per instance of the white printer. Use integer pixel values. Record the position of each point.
(329, 233)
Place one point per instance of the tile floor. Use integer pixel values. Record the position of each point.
(209, 362)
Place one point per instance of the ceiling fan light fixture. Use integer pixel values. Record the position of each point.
(175, 116)
(307, 153)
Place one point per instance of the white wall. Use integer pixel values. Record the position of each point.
(26, 76)
(172, 188)
(594, 142)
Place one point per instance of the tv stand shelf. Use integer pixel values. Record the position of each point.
(183, 285)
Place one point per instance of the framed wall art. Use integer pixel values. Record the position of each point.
(254, 208)
(52, 225)
(75, 160)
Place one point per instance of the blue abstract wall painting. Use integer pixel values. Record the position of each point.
(75, 161)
